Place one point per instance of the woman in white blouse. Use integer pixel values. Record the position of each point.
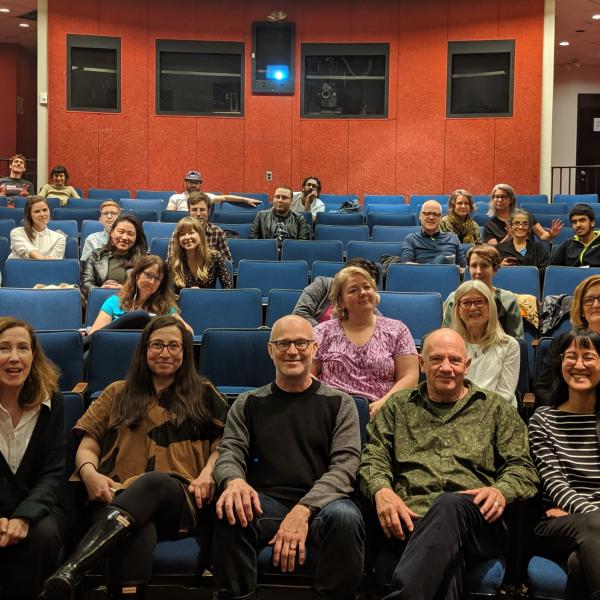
(34, 240)
(495, 356)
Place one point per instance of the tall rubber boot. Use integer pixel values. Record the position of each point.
(113, 525)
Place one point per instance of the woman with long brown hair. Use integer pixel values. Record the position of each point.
(146, 293)
(34, 240)
(194, 264)
(146, 458)
(32, 462)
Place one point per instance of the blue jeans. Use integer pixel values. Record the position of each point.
(337, 531)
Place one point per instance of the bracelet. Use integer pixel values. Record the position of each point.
(88, 462)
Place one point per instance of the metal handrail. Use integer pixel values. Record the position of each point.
(575, 179)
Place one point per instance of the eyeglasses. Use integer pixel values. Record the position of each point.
(281, 197)
(151, 277)
(500, 197)
(570, 359)
(520, 224)
(479, 303)
(172, 347)
(285, 344)
(428, 213)
(589, 300)
(109, 213)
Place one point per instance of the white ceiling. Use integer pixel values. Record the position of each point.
(571, 15)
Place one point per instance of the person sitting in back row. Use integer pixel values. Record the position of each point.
(583, 249)
(280, 222)
(431, 245)
(59, 188)
(308, 199)
(193, 183)
(14, 184)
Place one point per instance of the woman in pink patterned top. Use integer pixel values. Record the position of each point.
(359, 352)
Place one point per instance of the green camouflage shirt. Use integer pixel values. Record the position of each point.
(482, 442)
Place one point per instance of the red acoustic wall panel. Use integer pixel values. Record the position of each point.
(416, 149)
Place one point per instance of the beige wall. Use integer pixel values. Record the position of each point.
(567, 84)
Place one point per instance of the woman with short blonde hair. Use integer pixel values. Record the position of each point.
(358, 351)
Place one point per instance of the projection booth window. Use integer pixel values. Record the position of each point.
(480, 79)
(345, 80)
(199, 78)
(93, 73)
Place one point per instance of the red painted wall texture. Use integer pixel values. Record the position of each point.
(416, 149)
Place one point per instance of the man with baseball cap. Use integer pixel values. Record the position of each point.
(193, 183)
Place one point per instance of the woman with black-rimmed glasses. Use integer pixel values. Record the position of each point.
(146, 458)
(565, 445)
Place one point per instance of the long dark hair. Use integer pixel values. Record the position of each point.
(140, 246)
(185, 395)
(586, 339)
(159, 303)
(27, 221)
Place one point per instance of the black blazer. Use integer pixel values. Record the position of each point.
(31, 492)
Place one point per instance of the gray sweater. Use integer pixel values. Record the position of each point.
(297, 448)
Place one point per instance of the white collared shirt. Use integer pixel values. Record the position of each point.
(15, 439)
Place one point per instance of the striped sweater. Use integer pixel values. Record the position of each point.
(566, 452)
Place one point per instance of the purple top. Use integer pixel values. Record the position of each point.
(366, 370)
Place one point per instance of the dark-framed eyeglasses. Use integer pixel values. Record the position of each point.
(300, 344)
(172, 347)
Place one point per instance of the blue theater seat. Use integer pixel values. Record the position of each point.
(546, 579)
(21, 273)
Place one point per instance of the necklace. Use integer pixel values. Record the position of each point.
(473, 350)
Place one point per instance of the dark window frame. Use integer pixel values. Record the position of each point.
(480, 47)
(333, 49)
(199, 47)
(99, 42)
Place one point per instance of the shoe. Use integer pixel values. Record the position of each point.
(113, 526)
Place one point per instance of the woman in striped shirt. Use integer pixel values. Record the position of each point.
(565, 445)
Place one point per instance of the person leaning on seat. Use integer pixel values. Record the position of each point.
(146, 458)
(442, 462)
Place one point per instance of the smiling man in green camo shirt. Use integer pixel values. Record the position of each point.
(442, 462)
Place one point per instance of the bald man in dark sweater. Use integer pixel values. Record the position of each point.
(287, 467)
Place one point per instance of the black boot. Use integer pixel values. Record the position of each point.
(113, 525)
(125, 592)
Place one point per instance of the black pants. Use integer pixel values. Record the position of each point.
(449, 537)
(337, 530)
(579, 536)
(25, 566)
(157, 503)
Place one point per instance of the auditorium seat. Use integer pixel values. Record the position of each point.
(546, 579)
(281, 303)
(142, 215)
(214, 308)
(267, 275)
(420, 312)
(22, 273)
(252, 249)
(385, 233)
(143, 204)
(563, 280)
(373, 250)
(151, 194)
(233, 216)
(65, 349)
(571, 199)
(21, 201)
(111, 351)
(43, 309)
(173, 216)
(76, 214)
(105, 193)
(418, 199)
(6, 226)
(95, 300)
(153, 229)
(69, 228)
(344, 233)
(557, 208)
(531, 199)
(311, 250)
(159, 246)
(88, 227)
(333, 218)
(390, 219)
(16, 214)
(236, 360)
(4, 252)
(242, 229)
(86, 203)
(391, 209)
(423, 278)
(523, 279)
